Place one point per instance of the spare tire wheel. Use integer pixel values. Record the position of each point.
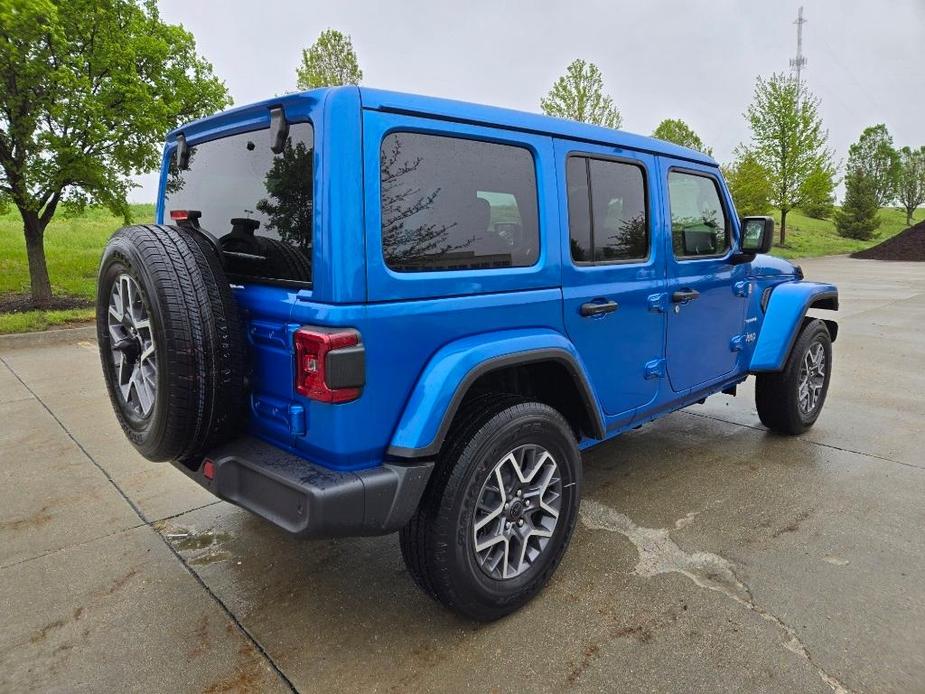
(170, 339)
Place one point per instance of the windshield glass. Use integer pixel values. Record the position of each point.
(257, 203)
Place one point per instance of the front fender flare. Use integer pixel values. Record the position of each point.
(448, 375)
(783, 319)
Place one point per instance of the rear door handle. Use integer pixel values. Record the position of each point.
(684, 295)
(598, 308)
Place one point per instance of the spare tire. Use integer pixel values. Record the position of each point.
(171, 343)
(285, 262)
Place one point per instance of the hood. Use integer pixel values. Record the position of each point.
(771, 266)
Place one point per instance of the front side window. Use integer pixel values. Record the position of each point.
(607, 210)
(455, 204)
(698, 222)
(258, 204)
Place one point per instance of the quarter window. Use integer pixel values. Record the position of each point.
(607, 210)
(455, 204)
(698, 222)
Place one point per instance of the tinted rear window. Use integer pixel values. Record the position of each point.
(269, 195)
(455, 204)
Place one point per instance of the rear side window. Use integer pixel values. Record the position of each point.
(698, 222)
(455, 204)
(607, 210)
(259, 204)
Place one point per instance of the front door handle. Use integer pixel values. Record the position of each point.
(684, 295)
(598, 308)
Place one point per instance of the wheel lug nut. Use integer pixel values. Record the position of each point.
(520, 522)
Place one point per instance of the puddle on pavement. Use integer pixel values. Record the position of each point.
(659, 554)
(199, 548)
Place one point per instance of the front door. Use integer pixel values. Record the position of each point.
(611, 270)
(706, 292)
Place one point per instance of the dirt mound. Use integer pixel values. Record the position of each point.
(906, 245)
(16, 303)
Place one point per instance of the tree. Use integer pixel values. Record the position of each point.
(857, 218)
(874, 154)
(911, 190)
(579, 95)
(289, 207)
(817, 194)
(787, 138)
(330, 62)
(749, 184)
(87, 90)
(677, 131)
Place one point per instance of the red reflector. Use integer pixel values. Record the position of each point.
(208, 469)
(179, 215)
(312, 346)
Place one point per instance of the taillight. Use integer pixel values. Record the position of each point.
(330, 364)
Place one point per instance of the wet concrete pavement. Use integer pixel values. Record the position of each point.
(710, 556)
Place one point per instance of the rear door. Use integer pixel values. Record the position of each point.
(612, 271)
(259, 207)
(707, 293)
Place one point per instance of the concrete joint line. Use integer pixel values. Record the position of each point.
(659, 554)
(807, 441)
(145, 521)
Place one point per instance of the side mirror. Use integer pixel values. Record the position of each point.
(757, 234)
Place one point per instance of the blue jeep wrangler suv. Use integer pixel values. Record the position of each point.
(363, 312)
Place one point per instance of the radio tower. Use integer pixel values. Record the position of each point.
(796, 64)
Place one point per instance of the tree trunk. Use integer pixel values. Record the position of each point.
(783, 227)
(35, 250)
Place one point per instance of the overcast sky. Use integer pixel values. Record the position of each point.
(690, 59)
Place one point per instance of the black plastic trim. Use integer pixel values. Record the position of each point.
(279, 130)
(310, 500)
(346, 367)
(531, 357)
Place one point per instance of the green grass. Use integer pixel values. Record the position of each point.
(72, 249)
(31, 321)
(808, 237)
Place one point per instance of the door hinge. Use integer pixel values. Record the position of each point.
(655, 368)
(657, 302)
(742, 288)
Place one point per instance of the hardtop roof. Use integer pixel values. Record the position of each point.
(449, 109)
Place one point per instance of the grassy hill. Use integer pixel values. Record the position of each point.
(73, 248)
(807, 237)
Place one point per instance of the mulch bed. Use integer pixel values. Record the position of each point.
(906, 245)
(17, 303)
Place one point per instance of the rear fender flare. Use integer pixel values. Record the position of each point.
(783, 320)
(447, 377)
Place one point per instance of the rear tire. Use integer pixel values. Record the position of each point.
(461, 512)
(790, 401)
(195, 388)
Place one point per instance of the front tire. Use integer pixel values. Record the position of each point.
(789, 402)
(500, 509)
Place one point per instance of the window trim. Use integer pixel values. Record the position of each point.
(410, 130)
(722, 202)
(588, 156)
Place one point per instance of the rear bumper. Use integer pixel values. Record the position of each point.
(309, 500)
